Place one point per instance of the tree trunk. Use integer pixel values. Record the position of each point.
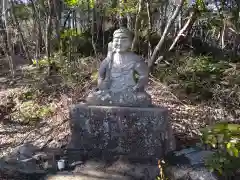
(93, 30)
(57, 12)
(137, 24)
(23, 42)
(166, 30)
(192, 18)
(223, 35)
(48, 31)
(8, 37)
(39, 34)
(149, 28)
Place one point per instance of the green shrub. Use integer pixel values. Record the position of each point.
(74, 41)
(225, 139)
(30, 112)
(195, 75)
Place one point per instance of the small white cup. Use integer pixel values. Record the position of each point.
(61, 164)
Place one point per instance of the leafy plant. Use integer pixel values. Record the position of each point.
(225, 139)
(161, 165)
(30, 112)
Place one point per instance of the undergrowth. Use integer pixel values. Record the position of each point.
(224, 138)
(25, 106)
(203, 79)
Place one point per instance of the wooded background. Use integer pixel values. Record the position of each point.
(52, 49)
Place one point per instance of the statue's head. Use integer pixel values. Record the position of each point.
(122, 40)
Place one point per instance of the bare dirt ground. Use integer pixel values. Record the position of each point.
(53, 131)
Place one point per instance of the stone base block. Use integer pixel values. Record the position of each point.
(138, 132)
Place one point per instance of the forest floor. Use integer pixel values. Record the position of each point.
(53, 130)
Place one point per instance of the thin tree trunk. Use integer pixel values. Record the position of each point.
(75, 28)
(185, 28)
(166, 30)
(180, 20)
(35, 35)
(88, 11)
(20, 33)
(39, 34)
(137, 24)
(149, 28)
(48, 34)
(103, 29)
(164, 10)
(57, 13)
(8, 37)
(223, 36)
(93, 30)
(98, 21)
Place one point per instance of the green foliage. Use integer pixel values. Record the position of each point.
(77, 69)
(232, 74)
(71, 3)
(194, 75)
(22, 11)
(70, 33)
(29, 111)
(200, 65)
(200, 4)
(91, 3)
(127, 7)
(227, 92)
(81, 41)
(94, 76)
(225, 138)
(29, 94)
(80, 4)
(26, 107)
(44, 62)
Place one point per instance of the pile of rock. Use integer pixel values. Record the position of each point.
(27, 161)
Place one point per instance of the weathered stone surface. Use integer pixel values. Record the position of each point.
(189, 164)
(140, 132)
(183, 172)
(119, 170)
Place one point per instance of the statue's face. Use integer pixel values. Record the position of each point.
(121, 42)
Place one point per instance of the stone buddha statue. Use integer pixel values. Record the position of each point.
(122, 75)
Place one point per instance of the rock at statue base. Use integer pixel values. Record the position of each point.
(134, 131)
(189, 164)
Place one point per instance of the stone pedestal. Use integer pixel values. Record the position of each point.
(138, 132)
